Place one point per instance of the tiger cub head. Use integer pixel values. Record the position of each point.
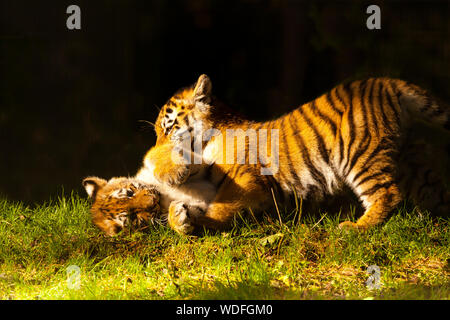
(122, 203)
(184, 108)
(190, 107)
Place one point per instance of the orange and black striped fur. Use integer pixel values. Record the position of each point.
(124, 203)
(121, 203)
(353, 135)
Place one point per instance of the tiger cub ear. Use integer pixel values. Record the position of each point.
(203, 89)
(93, 184)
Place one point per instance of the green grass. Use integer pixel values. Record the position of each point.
(266, 260)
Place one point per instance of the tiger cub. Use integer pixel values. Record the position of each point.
(120, 203)
(350, 136)
(129, 204)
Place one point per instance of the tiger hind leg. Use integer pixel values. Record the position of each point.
(380, 197)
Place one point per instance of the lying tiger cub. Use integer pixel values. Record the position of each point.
(127, 203)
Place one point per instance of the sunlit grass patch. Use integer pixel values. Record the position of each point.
(267, 259)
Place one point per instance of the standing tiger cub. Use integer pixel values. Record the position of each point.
(353, 135)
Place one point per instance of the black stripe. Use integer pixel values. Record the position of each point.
(386, 123)
(341, 147)
(185, 121)
(271, 182)
(397, 93)
(336, 91)
(391, 104)
(171, 103)
(316, 174)
(384, 144)
(292, 173)
(387, 169)
(341, 139)
(362, 87)
(359, 152)
(192, 151)
(324, 117)
(244, 169)
(233, 173)
(331, 103)
(347, 87)
(257, 126)
(351, 128)
(365, 141)
(221, 181)
(322, 148)
(388, 153)
(371, 102)
(208, 172)
(378, 186)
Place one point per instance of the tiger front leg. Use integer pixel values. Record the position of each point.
(168, 164)
(171, 174)
(179, 218)
(235, 195)
(218, 217)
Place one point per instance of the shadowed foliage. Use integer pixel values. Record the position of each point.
(71, 101)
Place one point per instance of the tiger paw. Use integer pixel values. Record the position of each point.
(172, 174)
(179, 219)
(348, 225)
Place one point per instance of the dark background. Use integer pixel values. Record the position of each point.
(71, 101)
